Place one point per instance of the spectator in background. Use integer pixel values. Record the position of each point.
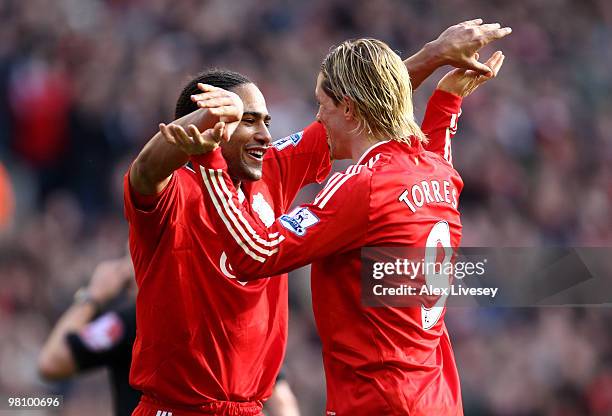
(88, 336)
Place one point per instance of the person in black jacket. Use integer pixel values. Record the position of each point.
(89, 335)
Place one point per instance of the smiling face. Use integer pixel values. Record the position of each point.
(336, 120)
(245, 151)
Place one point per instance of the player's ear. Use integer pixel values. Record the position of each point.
(349, 108)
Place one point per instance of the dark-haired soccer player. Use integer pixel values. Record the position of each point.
(378, 361)
(208, 343)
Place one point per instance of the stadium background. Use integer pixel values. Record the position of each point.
(84, 83)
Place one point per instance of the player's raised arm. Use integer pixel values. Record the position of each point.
(456, 46)
(153, 167)
(443, 108)
(335, 222)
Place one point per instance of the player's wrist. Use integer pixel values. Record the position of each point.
(83, 296)
(435, 55)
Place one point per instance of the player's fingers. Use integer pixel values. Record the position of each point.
(207, 87)
(210, 90)
(167, 135)
(182, 136)
(471, 22)
(494, 62)
(175, 136)
(215, 102)
(219, 132)
(477, 66)
(216, 134)
(226, 110)
(492, 59)
(497, 33)
(207, 95)
(195, 134)
(490, 26)
(225, 133)
(497, 63)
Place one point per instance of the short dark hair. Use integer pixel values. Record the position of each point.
(221, 78)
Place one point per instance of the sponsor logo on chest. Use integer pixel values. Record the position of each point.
(263, 210)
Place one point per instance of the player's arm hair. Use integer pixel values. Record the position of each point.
(154, 165)
(282, 402)
(422, 64)
(55, 361)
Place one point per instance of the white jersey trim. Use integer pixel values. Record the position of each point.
(369, 149)
(333, 188)
(221, 212)
(240, 229)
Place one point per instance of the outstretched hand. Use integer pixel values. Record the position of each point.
(463, 82)
(224, 104)
(458, 45)
(192, 141)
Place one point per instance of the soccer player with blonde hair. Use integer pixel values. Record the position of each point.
(354, 73)
(378, 361)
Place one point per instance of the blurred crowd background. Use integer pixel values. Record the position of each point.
(84, 84)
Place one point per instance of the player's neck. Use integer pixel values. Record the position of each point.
(361, 144)
(236, 182)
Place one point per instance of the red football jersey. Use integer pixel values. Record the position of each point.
(204, 335)
(378, 361)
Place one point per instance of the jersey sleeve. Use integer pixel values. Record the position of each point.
(335, 222)
(440, 122)
(105, 340)
(298, 160)
(149, 214)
